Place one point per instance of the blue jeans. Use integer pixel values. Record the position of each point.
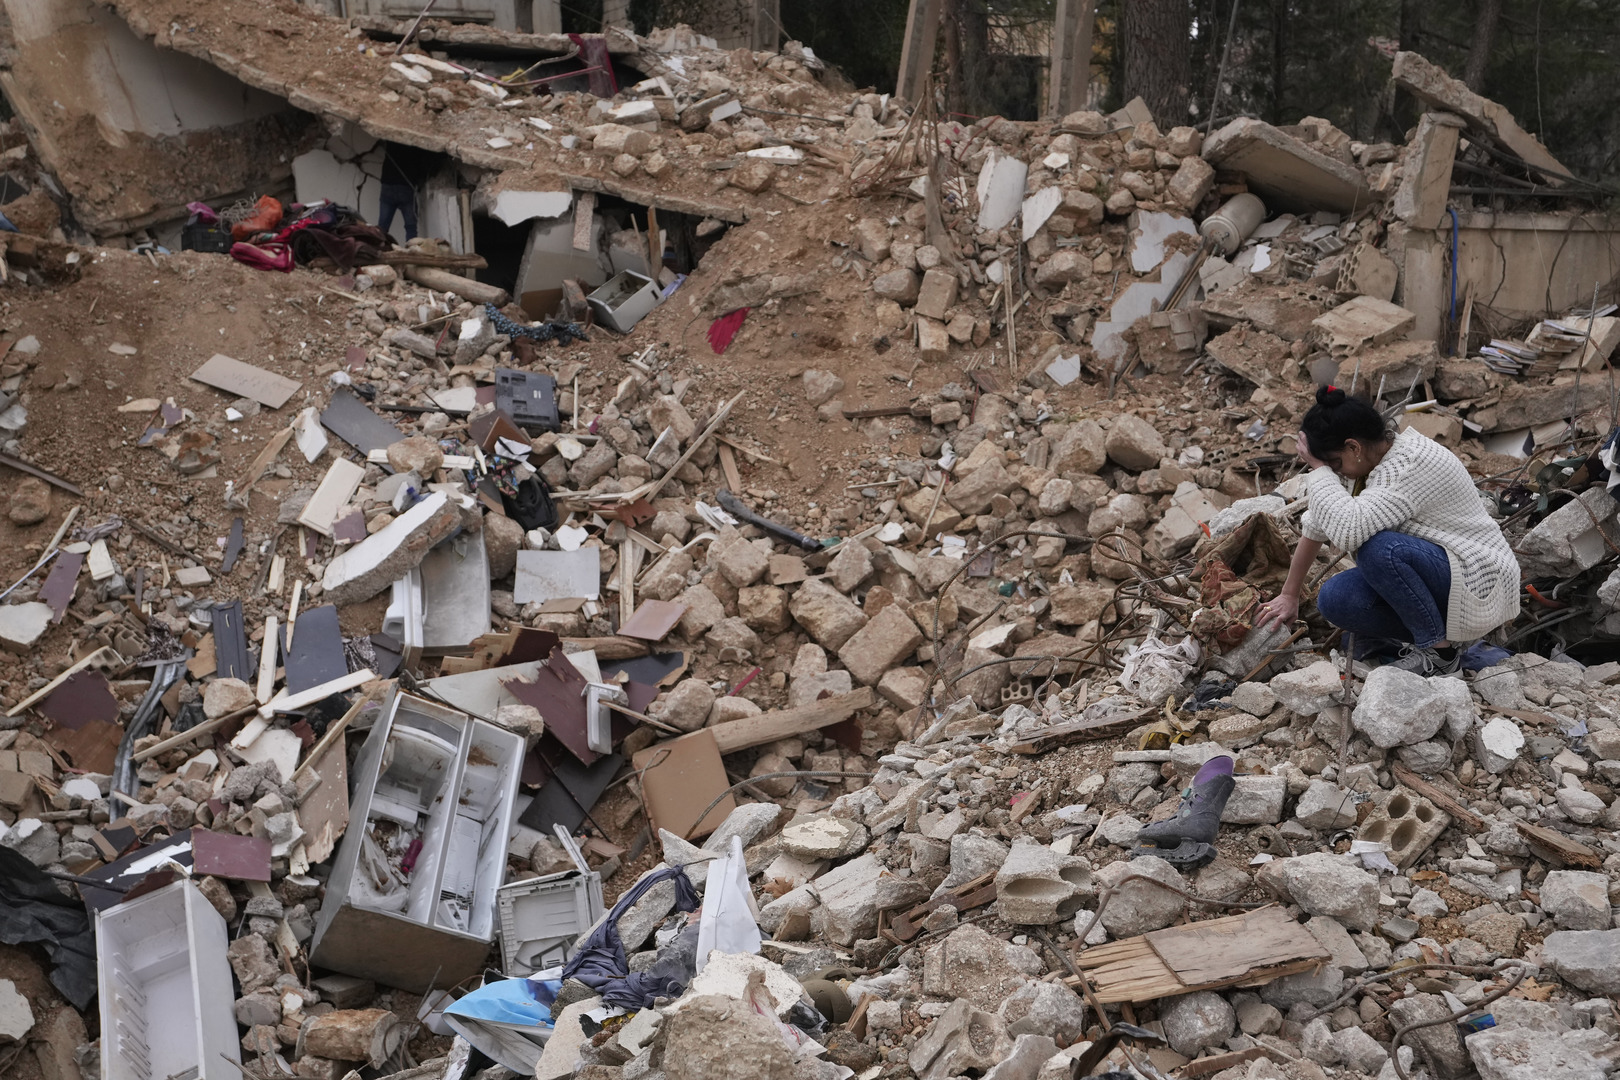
(1397, 591)
(401, 197)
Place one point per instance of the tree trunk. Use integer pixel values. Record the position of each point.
(1487, 13)
(1154, 36)
(1279, 57)
(970, 67)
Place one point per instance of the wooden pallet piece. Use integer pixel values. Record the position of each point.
(1240, 950)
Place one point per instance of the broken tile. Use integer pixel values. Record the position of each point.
(244, 380)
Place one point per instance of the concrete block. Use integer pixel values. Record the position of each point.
(933, 340)
(1037, 886)
(1407, 823)
(888, 638)
(937, 293)
(1363, 321)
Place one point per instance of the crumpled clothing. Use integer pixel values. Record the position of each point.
(266, 256)
(1154, 670)
(348, 245)
(1609, 456)
(601, 963)
(560, 332)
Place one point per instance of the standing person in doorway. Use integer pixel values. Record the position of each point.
(1433, 571)
(404, 169)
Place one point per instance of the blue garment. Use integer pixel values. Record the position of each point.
(401, 197)
(1397, 591)
(602, 965)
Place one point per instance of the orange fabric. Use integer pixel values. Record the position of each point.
(266, 216)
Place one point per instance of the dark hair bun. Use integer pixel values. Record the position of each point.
(1330, 396)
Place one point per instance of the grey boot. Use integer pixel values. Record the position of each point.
(1187, 840)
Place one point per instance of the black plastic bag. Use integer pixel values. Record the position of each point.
(531, 507)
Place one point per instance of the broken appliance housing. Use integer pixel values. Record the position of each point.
(542, 918)
(625, 300)
(433, 773)
(165, 988)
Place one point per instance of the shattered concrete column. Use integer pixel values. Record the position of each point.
(1421, 256)
(1420, 201)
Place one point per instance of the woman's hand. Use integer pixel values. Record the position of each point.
(1281, 610)
(1302, 446)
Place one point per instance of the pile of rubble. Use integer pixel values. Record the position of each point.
(402, 656)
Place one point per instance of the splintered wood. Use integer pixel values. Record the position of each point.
(1249, 949)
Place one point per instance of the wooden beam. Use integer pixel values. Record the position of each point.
(103, 656)
(1459, 813)
(768, 727)
(917, 48)
(285, 702)
(1555, 847)
(207, 727)
(1071, 56)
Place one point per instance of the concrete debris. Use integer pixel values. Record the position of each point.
(1015, 463)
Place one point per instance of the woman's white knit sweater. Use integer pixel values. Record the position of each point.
(1421, 489)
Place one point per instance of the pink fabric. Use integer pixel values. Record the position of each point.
(264, 256)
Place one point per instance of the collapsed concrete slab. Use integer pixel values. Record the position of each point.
(1287, 173)
(399, 547)
(1427, 82)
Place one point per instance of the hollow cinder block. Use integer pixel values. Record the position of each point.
(1408, 823)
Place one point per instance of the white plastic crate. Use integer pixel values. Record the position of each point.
(165, 988)
(541, 917)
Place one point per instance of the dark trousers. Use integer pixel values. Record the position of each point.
(401, 197)
(1397, 591)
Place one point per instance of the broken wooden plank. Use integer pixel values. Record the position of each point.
(1459, 813)
(784, 723)
(266, 457)
(1103, 727)
(1555, 847)
(1251, 948)
(102, 657)
(207, 727)
(285, 702)
(333, 493)
(34, 470)
(233, 547)
(414, 257)
(1220, 951)
(728, 465)
(1208, 1066)
(973, 894)
(608, 648)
